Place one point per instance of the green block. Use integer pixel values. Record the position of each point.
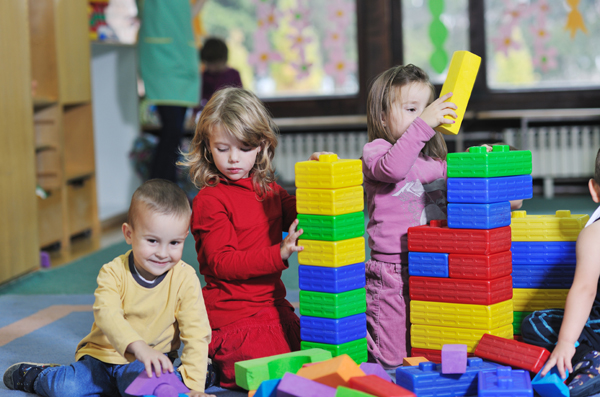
(342, 391)
(250, 374)
(356, 349)
(323, 304)
(332, 227)
(518, 320)
(478, 163)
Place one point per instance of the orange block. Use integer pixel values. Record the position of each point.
(335, 372)
(413, 361)
(251, 393)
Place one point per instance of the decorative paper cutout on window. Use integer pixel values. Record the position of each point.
(438, 33)
(574, 19)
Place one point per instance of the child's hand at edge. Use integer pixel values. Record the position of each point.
(315, 155)
(434, 114)
(194, 393)
(151, 358)
(288, 245)
(561, 357)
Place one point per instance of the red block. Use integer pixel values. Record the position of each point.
(454, 290)
(373, 384)
(434, 356)
(512, 352)
(437, 237)
(480, 267)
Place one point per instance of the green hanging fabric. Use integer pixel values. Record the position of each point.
(438, 33)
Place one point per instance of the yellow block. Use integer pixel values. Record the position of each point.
(460, 81)
(332, 253)
(460, 315)
(330, 201)
(333, 373)
(560, 227)
(530, 299)
(431, 337)
(328, 173)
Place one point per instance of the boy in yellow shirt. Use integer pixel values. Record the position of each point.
(147, 303)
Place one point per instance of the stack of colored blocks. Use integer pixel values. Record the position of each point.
(460, 274)
(330, 203)
(543, 251)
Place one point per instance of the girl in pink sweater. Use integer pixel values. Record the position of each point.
(404, 165)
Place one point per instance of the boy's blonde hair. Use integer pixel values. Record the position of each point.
(384, 92)
(242, 115)
(159, 196)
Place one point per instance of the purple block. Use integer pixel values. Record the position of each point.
(375, 369)
(167, 385)
(44, 259)
(454, 359)
(292, 385)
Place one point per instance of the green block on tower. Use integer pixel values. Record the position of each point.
(327, 305)
(479, 163)
(356, 349)
(332, 227)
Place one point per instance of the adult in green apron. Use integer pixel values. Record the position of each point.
(168, 63)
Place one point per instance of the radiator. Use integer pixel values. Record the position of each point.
(558, 152)
(293, 148)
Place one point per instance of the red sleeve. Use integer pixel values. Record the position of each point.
(288, 208)
(217, 245)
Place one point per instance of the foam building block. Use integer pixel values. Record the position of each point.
(333, 331)
(550, 385)
(413, 361)
(331, 279)
(454, 290)
(518, 318)
(335, 372)
(375, 369)
(267, 388)
(475, 267)
(433, 337)
(376, 386)
(347, 392)
(460, 80)
(532, 299)
(511, 352)
(292, 385)
(328, 173)
(332, 253)
(428, 264)
(543, 252)
(356, 349)
(250, 374)
(560, 227)
(427, 379)
(251, 393)
(343, 304)
(489, 190)
(460, 315)
(478, 216)
(454, 359)
(479, 163)
(557, 276)
(330, 201)
(167, 385)
(332, 227)
(437, 237)
(504, 382)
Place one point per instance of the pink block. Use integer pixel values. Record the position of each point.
(375, 369)
(454, 359)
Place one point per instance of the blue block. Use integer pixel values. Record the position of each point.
(331, 279)
(427, 379)
(268, 388)
(427, 264)
(543, 252)
(550, 385)
(504, 382)
(478, 216)
(489, 190)
(333, 331)
(543, 276)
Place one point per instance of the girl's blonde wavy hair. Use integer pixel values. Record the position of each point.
(384, 92)
(240, 113)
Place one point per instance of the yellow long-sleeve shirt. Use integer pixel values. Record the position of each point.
(162, 314)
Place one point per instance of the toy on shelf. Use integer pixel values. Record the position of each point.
(504, 382)
(454, 359)
(512, 352)
(462, 73)
(166, 385)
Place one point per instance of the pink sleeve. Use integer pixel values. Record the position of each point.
(389, 163)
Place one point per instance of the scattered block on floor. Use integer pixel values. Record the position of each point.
(347, 392)
(412, 361)
(296, 386)
(504, 382)
(454, 359)
(550, 385)
(375, 369)
(335, 372)
(268, 388)
(373, 384)
(512, 352)
(168, 383)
